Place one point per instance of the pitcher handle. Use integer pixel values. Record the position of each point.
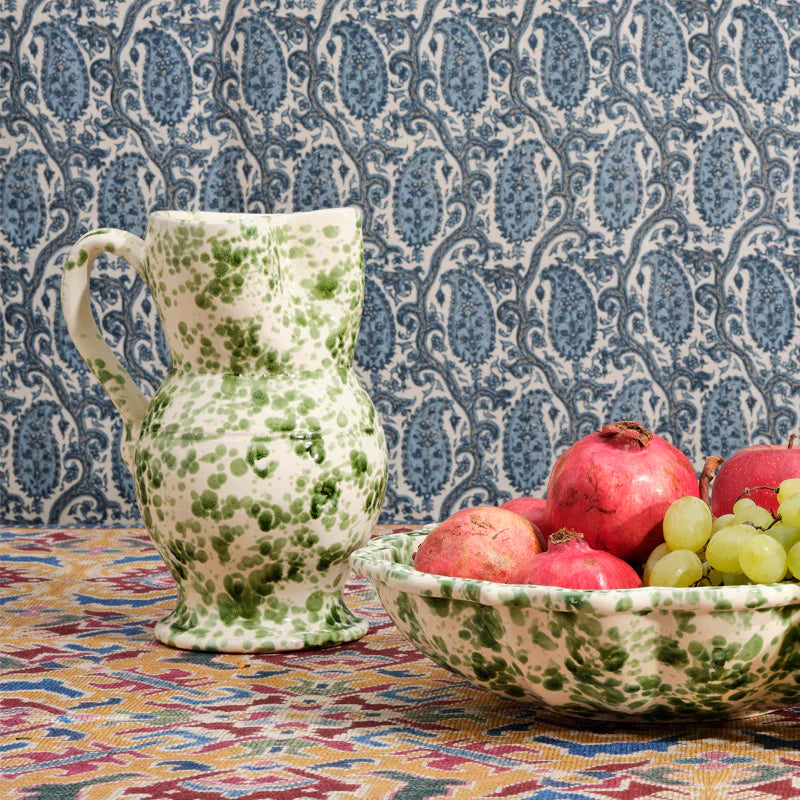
(89, 342)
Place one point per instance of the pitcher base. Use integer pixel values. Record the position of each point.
(296, 634)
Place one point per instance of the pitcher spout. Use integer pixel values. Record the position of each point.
(322, 265)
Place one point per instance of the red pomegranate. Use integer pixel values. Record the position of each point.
(534, 509)
(569, 562)
(483, 542)
(614, 486)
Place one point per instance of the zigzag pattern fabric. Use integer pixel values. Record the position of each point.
(93, 707)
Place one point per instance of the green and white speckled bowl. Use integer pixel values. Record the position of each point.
(656, 655)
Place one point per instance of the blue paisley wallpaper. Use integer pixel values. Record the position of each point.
(574, 212)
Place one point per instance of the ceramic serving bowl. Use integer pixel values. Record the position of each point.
(653, 654)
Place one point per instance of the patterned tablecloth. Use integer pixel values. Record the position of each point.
(93, 707)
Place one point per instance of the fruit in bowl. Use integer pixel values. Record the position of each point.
(713, 632)
(534, 509)
(485, 542)
(748, 545)
(753, 472)
(571, 563)
(614, 486)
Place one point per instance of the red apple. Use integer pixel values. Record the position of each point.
(534, 509)
(484, 542)
(754, 472)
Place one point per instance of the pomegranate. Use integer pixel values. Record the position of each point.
(534, 509)
(614, 486)
(571, 563)
(754, 472)
(485, 542)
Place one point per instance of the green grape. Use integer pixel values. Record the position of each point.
(789, 510)
(793, 561)
(723, 522)
(787, 488)
(658, 553)
(676, 568)
(734, 578)
(754, 514)
(722, 550)
(687, 524)
(762, 559)
(715, 577)
(742, 503)
(787, 535)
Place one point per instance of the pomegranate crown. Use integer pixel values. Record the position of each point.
(627, 431)
(564, 535)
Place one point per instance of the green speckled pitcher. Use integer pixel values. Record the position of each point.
(260, 464)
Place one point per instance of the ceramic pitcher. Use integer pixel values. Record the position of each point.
(260, 463)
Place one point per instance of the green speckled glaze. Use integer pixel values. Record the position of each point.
(654, 655)
(260, 464)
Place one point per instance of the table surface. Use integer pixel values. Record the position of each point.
(92, 706)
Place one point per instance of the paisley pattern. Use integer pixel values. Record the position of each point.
(64, 79)
(670, 306)
(518, 205)
(526, 444)
(221, 189)
(120, 200)
(418, 199)
(69, 354)
(470, 323)
(464, 75)
(315, 185)
(664, 56)
(362, 73)
(571, 212)
(796, 184)
(724, 418)
(37, 457)
(565, 62)
(264, 74)
(770, 309)
(634, 401)
(24, 212)
(718, 182)
(377, 334)
(427, 455)
(571, 319)
(762, 59)
(618, 190)
(167, 79)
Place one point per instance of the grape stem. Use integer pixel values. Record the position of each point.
(750, 489)
(706, 476)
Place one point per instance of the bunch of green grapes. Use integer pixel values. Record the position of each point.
(746, 546)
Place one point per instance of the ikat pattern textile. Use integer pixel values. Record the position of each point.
(573, 212)
(92, 707)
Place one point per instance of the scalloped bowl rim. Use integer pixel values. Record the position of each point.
(375, 561)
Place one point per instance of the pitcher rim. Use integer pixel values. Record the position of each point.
(227, 217)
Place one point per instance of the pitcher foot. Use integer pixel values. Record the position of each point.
(189, 630)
